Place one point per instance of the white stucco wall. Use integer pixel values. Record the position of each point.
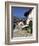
(30, 17)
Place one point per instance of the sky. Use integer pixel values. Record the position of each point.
(19, 11)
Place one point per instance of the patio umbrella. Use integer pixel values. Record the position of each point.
(26, 14)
